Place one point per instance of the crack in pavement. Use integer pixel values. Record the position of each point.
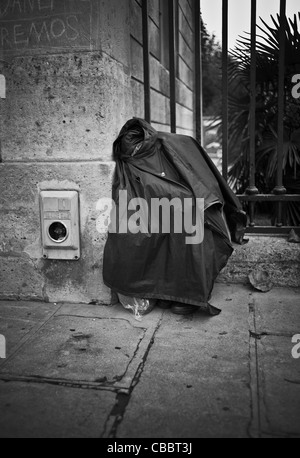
(294, 382)
(59, 382)
(123, 397)
(254, 428)
(279, 435)
(260, 410)
(97, 318)
(258, 336)
(119, 378)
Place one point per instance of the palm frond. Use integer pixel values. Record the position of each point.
(267, 63)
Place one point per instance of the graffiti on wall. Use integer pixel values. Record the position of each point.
(45, 24)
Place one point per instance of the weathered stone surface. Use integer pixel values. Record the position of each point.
(114, 30)
(273, 254)
(62, 108)
(19, 319)
(37, 312)
(179, 406)
(279, 387)
(20, 278)
(195, 382)
(116, 311)
(278, 312)
(77, 349)
(193, 376)
(23, 272)
(45, 411)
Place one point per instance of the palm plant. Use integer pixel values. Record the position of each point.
(266, 110)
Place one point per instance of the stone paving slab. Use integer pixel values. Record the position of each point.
(196, 381)
(45, 411)
(164, 377)
(15, 331)
(278, 311)
(275, 320)
(33, 311)
(169, 408)
(77, 349)
(19, 319)
(279, 387)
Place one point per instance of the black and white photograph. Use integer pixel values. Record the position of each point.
(149, 222)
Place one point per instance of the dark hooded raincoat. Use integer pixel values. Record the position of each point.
(162, 266)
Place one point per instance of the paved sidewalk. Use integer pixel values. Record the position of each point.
(90, 371)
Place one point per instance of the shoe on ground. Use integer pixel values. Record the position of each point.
(164, 305)
(181, 309)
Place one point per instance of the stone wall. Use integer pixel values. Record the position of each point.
(274, 255)
(66, 102)
(74, 75)
(72, 81)
(159, 64)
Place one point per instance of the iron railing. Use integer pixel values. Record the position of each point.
(279, 194)
(251, 197)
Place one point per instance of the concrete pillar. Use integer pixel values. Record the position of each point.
(68, 93)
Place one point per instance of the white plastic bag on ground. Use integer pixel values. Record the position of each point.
(139, 307)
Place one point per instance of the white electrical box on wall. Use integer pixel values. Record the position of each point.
(60, 225)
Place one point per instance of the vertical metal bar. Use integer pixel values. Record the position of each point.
(146, 58)
(225, 88)
(252, 189)
(172, 50)
(252, 206)
(198, 76)
(281, 98)
(279, 212)
(280, 189)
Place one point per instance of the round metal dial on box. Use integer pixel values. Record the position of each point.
(60, 225)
